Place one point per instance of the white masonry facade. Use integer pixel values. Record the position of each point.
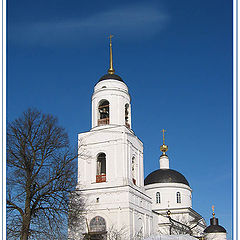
(111, 177)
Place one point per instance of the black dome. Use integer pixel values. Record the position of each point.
(165, 176)
(111, 76)
(214, 227)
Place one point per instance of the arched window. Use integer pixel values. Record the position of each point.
(98, 224)
(103, 109)
(133, 170)
(101, 168)
(126, 115)
(158, 197)
(178, 197)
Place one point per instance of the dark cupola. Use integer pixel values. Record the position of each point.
(214, 228)
(165, 176)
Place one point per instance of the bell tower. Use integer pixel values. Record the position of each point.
(111, 100)
(110, 172)
(115, 151)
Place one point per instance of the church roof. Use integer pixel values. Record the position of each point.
(214, 227)
(110, 76)
(165, 176)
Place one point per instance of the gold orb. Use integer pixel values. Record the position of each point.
(164, 148)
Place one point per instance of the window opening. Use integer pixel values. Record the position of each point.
(126, 115)
(98, 224)
(101, 168)
(103, 109)
(178, 197)
(158, 197)
(97, 229)
(133, 170)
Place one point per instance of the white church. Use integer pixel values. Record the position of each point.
(119, 202)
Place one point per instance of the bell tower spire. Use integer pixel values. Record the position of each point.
(111, 69)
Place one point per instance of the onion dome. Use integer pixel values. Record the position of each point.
(214, 226)
(165, 176)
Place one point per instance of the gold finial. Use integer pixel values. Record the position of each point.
(164, 147)
(168, 212)
(111, 70)
(213, 211)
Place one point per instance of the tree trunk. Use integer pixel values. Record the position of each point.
(27, 214)
(25, 226)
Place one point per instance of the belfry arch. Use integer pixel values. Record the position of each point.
(103, 112)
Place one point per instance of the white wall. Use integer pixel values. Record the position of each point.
(119, 145)
(121, 207)
(216, 236)
(168, 195)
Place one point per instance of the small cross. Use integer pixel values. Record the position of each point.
(213, 211)
(163, 131)
(110, 37)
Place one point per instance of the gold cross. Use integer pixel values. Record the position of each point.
(110, 37)
(213, 210)
(163, 131)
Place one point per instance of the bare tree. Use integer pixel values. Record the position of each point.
(41, 171)
(117, 234)
(76, 216)
(122, 234)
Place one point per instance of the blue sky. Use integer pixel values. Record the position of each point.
(176, 58)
